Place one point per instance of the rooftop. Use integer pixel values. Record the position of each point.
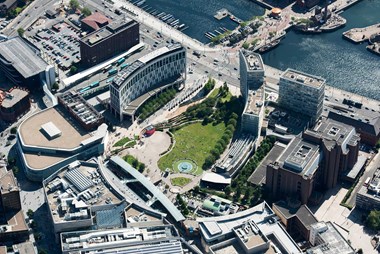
(300, 156)
(107, 31)
(216, 228)
(169, 206)
(333, 241)
(96, 20)
(162, 239)
(7, 181)
(13, 96)
(22, 57)
(132, 68)
(255, 101)
(74, 189)
(72, 133)
(303, 78)
(253, 61)
(361, 117)
(289, 210)
(250, 235)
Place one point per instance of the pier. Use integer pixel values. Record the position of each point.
(358, 35)
(221, 14)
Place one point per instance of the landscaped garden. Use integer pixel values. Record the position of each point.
(180, 181)
(194, 142)
(202, 133)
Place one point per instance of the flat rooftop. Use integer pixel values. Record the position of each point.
(253, 61)
(255, 101)
(7, 181)
(39, 161)
(72, 133)
(333, 241)
(299, 157)
(76, 187)
(129, 238)
(303, 78)
(22, 57)
(107, 31)
(12, 97)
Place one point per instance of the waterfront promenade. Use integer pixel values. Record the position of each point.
(358, 35)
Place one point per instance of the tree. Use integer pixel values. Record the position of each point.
(228, 191)
(21, 31)
(86, 11)
(135, 163)
(13, 130)
(73, 69)
(232, 122)
(55, 86)
(12, 13)
(245, 45)
(30, 213)
(197, 188)
(15, 170)
(373, 220)
(74, 4)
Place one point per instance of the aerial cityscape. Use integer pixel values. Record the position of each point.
(190, 127)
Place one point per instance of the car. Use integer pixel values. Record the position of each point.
(219, 74)
(206, 71)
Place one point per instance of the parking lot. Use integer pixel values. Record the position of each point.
(61, 44)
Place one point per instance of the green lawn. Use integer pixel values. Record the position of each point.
(122, 141)
(180, 181)
(193, 142)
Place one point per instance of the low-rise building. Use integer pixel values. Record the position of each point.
(152, 239)
(22, 64)
(255, 230)
(108, 41)
(368, 198)
(14, 103)
(13, 228)
(52, 138)
(326, 239)
(94, 22)
(296, 218)
(78, 198)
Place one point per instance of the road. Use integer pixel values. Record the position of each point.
(29, 16)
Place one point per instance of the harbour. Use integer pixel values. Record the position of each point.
(361, 74)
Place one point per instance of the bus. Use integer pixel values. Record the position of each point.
(95, 84)
(108, 67)
(112, 72)
(109, 80)
(120, 61)
(123, 66)
(85, 89)
(366, 183)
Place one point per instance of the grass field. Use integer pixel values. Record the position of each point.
(180, 181)
(122, 141)
(193, 142)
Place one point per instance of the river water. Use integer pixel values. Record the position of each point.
(344, 65)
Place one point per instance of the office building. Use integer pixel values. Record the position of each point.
(53, 138)
(364, 118)
(13, 228)
(302, 93)
(14, 103)
(251, 71)
(94, 22)
(296, 218)
(294, 172)
(136, 83)
(255, 230)
(252, 90)
(368, 198)
(162, 239)
(339, 145)
(326, 239)
(77, 193)
(108, 41)
(319, 158)
(22, 64)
